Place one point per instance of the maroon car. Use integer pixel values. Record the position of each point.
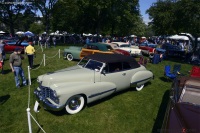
(147, 48)
(120, 51)
(183, 111)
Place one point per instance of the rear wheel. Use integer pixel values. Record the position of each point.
(75, 104)
(139, 87)
(70, 57)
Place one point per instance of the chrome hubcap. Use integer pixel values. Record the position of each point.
(74, 104)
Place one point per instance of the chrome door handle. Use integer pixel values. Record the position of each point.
(124, 74)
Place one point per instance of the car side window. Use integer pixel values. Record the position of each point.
(126, 66)
(95, 48)
(113, 67)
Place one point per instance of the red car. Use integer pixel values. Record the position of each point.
(183, 110)
(10, 46)
(147, 48)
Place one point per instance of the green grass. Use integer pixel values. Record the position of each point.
(125, 112)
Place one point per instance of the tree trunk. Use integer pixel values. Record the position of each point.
(12, 32)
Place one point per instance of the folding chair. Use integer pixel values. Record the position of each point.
(195, 72)
(177, 69)
(168, 73)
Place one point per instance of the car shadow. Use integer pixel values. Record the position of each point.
(161, 113)
(3, 99)
(164, 79)
(63, 111)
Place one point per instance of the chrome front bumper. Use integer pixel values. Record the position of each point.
(46, 103)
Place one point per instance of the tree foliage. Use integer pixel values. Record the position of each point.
(175, 16)
(37, 28)
(9, 13)
(46, 8)
(120, 17)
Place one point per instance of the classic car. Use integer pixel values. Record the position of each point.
(183, 110)
(10, 46)
(173, 50)
(147, 48)
(133, 50)
(96, 76)
(74, 52)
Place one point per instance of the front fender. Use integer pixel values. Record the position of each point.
(141, 77)
(92, 91)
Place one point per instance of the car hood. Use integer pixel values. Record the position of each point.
(190, 115)
(71, 74)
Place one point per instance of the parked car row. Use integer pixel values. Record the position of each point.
(75, 52)
(133, 50)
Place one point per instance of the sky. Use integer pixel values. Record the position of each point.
(144, 5)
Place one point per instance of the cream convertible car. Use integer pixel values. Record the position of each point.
(96, 76)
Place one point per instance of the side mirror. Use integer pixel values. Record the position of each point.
(96, 70)
(103, 72)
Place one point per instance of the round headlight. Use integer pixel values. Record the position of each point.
(54, 93)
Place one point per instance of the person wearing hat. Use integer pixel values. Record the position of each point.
(16, 66)
(30, 51)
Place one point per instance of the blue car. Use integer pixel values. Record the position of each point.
(173, 50)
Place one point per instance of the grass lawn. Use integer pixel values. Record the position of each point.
(125, 112)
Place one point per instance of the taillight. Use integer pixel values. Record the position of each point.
(184, 130)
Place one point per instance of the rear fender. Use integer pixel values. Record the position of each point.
(141, 77)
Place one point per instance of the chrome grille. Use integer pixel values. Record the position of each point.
(48, 93)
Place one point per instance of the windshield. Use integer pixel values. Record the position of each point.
(124, 45)
(90, 64)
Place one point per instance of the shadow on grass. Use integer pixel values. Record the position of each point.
(35, 66)
(165, 79)
(63, 111)
(161, 113)
(3, 99)
(7, 71)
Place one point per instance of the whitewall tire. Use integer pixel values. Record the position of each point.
(75, 104)
(70, 57)
(139, 87)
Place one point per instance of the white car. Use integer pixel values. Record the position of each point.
(133, 50)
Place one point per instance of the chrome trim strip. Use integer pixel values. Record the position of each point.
(140, 81)
(97, 94)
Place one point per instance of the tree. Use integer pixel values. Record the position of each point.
(172, 17)
(36, 28)
(9, 13)
(119, 17)
(46, 8)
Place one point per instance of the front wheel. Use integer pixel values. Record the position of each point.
(70, 57)
(75, 104)
(140, 87)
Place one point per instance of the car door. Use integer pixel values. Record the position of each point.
(117, 74)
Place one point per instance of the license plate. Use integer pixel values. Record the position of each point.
(36, 106)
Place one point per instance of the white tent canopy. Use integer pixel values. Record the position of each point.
(133, 36)
(178, 37)
(1, 32)
(19, 32)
